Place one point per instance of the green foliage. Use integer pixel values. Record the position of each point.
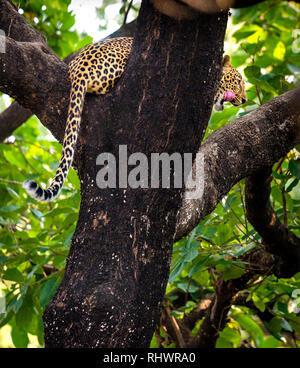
(53, 19)
(127, 9)
(34, 237)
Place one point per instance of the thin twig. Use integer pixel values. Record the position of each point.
(11, 181)
(24, 157)
(258, 95)
(127, 12)
(283, 203)
(279, 163)
(244, 206)
(236, 221)
(35, 145)
(175, 326)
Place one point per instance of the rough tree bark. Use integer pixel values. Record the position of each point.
(121, 292)
(119, 260)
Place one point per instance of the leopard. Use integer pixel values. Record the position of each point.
(96, 69)
(231, 87)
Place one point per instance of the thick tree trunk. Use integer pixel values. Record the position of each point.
(118, 265)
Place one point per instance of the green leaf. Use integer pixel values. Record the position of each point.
(247, 323)
(12, 193)
(219, 117)
(279, 51)
(295, 193)
(9, 208)
(187, 286)
(294, 168)
(176, 271)
(13, 274)
(258, 303)
(244, 249)
(68, 21)
(49, 290)
(223, 343)
(291, 184)
(270, 342)
(252, 71)
(198, 265)
(68, 239)
(274, 325)
(233, 272)
(19, 337)
(245, 32)
(285, 325)
(228, 337)
(37, 214)
(25, 314)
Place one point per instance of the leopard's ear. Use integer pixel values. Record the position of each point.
(226, 60)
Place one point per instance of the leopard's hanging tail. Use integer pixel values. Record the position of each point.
(69, 144)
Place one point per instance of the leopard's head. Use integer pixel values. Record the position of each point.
(231, 87)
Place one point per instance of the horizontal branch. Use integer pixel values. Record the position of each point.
(15, 115)
(11, 118)
(34, 76)
(16, 26)
(251, 143)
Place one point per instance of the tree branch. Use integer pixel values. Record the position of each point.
(253, 142)
(278, 239)
(12, 118)
(32, 74)
(15, 115)
(11, 22)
